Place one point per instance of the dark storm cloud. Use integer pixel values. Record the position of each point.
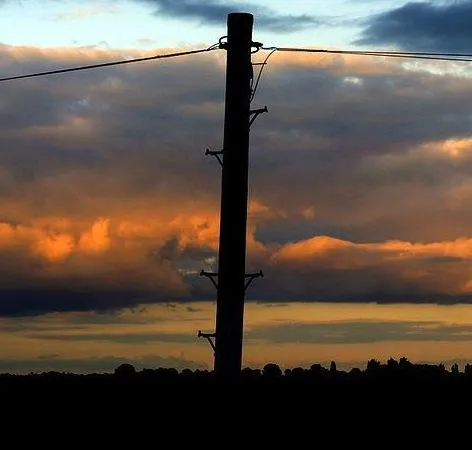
(214, 13)
(121, 338)
(351, 148)
(423, 26)
(346, 130)
(78, 321)
(86, 97)
(65, 298)
(381, 282)
(361, 332)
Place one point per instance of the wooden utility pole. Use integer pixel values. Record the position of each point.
(234, 198)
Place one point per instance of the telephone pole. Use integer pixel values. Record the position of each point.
(231, 280)
(234, 198)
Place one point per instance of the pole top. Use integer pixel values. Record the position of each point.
(241, 14)
(240, 17)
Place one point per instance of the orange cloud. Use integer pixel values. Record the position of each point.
(452, 147)
(426, 266)
(116, 197)
(345, 65)
(97, 239)
(54, 248)
(323, 245)
(313, 247)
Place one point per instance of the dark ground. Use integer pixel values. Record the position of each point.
(383, 405)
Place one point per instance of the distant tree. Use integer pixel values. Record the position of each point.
(298, 371)
(392, 364)
(250, 374)
(373, 365)
(125, 370)
(468, 370)
(317, 369)
(272, 370)
(170, 371)
(455, 369)
(404, 363)
(332, 367)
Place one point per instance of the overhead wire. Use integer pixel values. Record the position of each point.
(109, 64)
(258, 79)
(464, 57)
(438, 56)
(460, 57)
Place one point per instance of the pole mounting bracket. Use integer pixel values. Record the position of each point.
(209, 337)
(254, 113)
(256, 46)
(216, 154)
(251, 277)
(223, 42)
(211, 276)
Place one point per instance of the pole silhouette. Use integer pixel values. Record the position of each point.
(234, 198)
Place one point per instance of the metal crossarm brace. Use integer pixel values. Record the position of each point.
(251, 277)
(208, 337)
(211, 276)
(216, 154)
(254, 113)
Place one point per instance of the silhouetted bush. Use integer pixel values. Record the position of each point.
(125, 371)
(272, 370)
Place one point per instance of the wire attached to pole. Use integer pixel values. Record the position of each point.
(113, 63)
(255, 85)
(460, 57)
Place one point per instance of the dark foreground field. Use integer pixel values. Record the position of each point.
(380, 404)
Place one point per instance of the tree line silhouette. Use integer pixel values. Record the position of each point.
(391, 393)
(392, 372)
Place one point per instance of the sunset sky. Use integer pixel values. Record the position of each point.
(360, 209)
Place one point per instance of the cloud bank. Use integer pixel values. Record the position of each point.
(359, 185)
(214, 12)
(422, 26)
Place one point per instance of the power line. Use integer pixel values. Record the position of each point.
(408, 56)
(462, 57)
(258, 79)
(108, 64)
(466, 57)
